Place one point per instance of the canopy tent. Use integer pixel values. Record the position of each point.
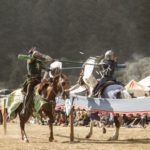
(145, 82)
(136, 88)
(134, 85)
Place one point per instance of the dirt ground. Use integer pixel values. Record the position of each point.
(130, 138)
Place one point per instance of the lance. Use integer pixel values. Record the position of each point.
(25, 57)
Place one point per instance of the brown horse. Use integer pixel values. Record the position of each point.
(49, 91)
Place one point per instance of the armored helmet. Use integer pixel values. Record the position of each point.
(109, 55)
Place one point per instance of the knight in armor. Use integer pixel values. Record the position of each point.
(108, 64)
(35, 64)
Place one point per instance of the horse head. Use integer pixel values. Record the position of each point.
(61, 83)
(57, 87)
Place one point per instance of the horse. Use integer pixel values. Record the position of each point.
(48, 91)
(114, 91)
(87, 82)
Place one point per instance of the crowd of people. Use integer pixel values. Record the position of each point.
(83, 117)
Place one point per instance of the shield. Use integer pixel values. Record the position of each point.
(89, 67)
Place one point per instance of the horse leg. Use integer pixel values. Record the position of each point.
(23, 120)
(23, 133)
(103, 122)
(117, 127)
(91, 130)
(50, 122)
(103, 127)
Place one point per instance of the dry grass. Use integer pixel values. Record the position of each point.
(130, 139)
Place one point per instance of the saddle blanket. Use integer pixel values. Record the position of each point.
(16, 98)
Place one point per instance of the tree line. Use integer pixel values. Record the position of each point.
(63, 28)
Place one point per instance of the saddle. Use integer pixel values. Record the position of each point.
(100, 89)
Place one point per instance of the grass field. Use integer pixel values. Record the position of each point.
(130, 139)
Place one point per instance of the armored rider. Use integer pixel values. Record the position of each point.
(35, 65)
(108, 64)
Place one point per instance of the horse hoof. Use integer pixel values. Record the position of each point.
(51, 139)
(104, 130)
(87, 137)
(26, 141)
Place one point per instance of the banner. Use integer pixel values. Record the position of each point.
(123, 106)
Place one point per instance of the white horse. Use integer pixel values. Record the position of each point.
(112, 91)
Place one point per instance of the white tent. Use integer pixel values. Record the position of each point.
(133, 85)
(137, 88)
(145, 82)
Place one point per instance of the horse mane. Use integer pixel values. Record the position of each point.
(41, 86)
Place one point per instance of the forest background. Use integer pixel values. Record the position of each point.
(63, 28)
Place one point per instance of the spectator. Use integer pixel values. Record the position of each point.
(62, 120)
(57, 116)
(110, 120)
